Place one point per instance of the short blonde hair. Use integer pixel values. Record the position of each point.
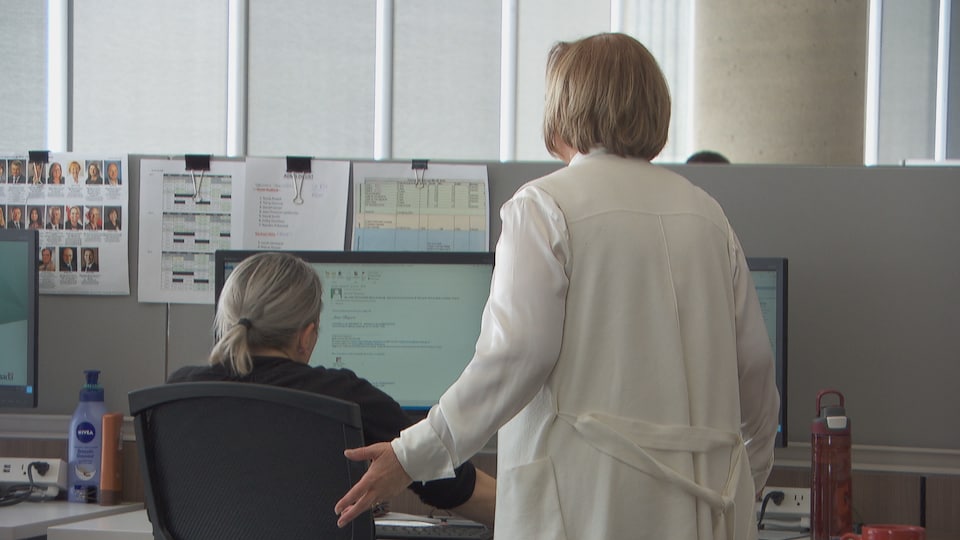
(606, 90)
(266, 300)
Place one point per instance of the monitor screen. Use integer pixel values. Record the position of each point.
(408, 322)
(18, 318)
(770, 280)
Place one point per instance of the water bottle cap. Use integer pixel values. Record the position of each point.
(832, 411)
(823, 393)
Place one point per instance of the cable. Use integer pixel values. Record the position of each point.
(27, 492)
(15, 494)
(777, 497)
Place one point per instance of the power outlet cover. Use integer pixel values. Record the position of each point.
(13, 471)
(795, 504)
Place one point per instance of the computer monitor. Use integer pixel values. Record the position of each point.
(770, 280)
(18, 318)
(408, 322)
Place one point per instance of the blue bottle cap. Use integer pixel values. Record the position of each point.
(92, 391)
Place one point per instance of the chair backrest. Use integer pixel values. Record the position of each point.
(237, 460)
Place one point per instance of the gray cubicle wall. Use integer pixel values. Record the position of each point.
(874, 296)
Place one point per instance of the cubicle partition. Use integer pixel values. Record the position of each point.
(874, 290)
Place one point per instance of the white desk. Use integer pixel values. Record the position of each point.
(783, 535)
(126, 526)
(30, 520)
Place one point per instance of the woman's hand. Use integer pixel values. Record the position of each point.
(383, 480)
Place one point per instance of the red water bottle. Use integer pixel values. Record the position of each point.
(831, 510)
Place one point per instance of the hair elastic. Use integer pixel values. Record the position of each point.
(245, 322)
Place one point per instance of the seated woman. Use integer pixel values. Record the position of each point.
(266, 328)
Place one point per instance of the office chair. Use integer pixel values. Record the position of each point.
(236, 460)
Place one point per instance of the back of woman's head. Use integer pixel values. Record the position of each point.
(265, 302)
(606, 90)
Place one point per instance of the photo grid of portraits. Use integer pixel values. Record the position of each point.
(77, 203)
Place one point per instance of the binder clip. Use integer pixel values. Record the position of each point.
(38, 159)
(298, 165)
(419, 167)
(197, 162)
(39, 156)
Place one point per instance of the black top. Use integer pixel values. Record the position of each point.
(382, 417)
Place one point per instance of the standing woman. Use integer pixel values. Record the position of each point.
(622, 353)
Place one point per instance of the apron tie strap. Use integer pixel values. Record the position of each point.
(627, 440)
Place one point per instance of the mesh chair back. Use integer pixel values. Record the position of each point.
(236, 461)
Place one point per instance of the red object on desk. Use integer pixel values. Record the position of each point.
(831, 492)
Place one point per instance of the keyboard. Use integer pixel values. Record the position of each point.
(767, 534)
(400, 526)
(439, 532)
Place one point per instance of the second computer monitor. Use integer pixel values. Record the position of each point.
(406, 321)
(18, 318)
(770, 281)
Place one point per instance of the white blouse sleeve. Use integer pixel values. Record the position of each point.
(519, 341)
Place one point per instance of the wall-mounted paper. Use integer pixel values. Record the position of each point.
(441, 208)
(185, 216)
(294, 210)
(78, 203)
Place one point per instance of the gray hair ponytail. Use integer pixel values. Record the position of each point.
(267, 299)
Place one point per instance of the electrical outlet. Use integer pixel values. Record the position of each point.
(796, 503)
(13, 471)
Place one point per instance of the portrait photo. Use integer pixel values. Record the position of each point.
(16, 172)
(112, 221)
(68, 262)
(90, 259)
(74, 170)
(15, 218)
(55, 217)
(55, 176)
(35, 216)
(38, 172)
(113, 173)
(94, 176)
(46, 263)
(93, 219)
(74, 219)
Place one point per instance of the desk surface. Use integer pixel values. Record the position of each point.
(132, 524)
(126, 526)
(28, 519)
(782, 535)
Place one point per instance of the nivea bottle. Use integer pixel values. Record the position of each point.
(85, 444)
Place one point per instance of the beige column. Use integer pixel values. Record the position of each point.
(781, 81)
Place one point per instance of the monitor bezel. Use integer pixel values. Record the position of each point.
(14, 396)
(779, 266)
